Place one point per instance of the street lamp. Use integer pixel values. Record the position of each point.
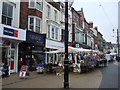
(118, 56)
(118, 44)
(66, 62)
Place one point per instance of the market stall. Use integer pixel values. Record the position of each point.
(80, 60)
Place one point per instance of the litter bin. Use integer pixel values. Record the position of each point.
(40, 68)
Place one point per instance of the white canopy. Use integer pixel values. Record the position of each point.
(70, 50)
(113, 53)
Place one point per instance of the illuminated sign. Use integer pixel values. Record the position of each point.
(10, 32)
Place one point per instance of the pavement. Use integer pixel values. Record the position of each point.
(95, 79)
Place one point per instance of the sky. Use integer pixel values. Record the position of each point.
(103, 14)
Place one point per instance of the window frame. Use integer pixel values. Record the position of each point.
(35, 5)
(34, 23)
(49, 31)
(48, 11)
(7, 16)
(56, 33)
(55, 15)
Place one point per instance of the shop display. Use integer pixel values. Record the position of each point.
(40, 68)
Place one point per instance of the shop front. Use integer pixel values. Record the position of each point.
(52, 45)
(10, 38)
(31, 51)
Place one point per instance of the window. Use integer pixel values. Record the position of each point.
(55, 15)
(63, 33)
(56, 32)
(34, 24)
(7, 14)
(83, 24)
(48, 11)
(48, 31)
(38, 25)
(31, 24)
(35, 4)
(52, 32)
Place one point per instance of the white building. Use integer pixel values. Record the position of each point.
(10, 33)
(52, 28)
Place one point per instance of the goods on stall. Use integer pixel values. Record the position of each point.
(59, 70)
(40, 68)
(76, 68)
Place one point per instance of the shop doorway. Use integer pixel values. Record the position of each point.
(8, 57)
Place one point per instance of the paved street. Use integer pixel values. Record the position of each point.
(106, 77)
(110, 76)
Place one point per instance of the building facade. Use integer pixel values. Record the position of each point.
(10, 33)
(32, 50)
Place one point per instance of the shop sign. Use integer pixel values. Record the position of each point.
(37, 51)
(36, 38)
(10, 32)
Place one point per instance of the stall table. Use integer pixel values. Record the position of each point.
(101, 61)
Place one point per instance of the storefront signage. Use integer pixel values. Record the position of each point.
(37, 51)
(10, 32)
(36, 38)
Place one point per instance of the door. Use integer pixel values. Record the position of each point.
(12, 61)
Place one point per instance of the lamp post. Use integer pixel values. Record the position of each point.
(118, 56)
(66, 62)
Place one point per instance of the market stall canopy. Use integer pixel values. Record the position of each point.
(84, 50)
(70, 50)
(113, 53)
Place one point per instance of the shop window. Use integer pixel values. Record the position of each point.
(6, 42)
(34, 24)
(7, 13)
(37, 4)
(13, 45)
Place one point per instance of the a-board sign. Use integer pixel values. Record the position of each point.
(23, 71)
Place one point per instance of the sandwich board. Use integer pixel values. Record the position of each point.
(24, 71)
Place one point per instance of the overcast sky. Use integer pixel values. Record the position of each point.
(103, 13)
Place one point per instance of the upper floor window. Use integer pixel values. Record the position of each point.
(34, 24)
(56, 32)
(35, 4)
(48, 34)
(48, 11)
(53, 34)
(83, 24)
(62, 34)
(7, 13)
(55, 15)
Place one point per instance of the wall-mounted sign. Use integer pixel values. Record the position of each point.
(36, 38)
(10, 32)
